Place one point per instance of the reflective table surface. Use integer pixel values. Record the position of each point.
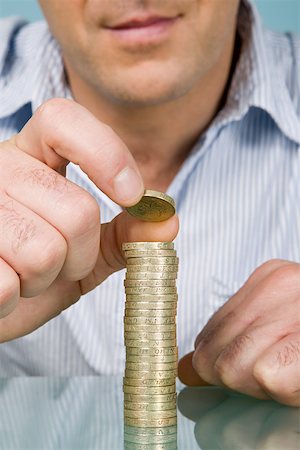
(87, 413)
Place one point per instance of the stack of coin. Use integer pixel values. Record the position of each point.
(150, 339)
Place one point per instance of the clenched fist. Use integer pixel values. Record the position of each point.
(252, 344)
(51, 248)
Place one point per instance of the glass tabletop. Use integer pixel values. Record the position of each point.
(38, 413)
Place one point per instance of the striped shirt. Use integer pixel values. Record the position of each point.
(237, 195)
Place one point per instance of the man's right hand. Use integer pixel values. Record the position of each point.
(50, 247)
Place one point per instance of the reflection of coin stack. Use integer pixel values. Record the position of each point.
(150, 339)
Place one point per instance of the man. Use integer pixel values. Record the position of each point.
(192, 97)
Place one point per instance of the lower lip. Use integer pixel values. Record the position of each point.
(145, 35)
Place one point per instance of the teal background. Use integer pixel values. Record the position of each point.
(282, 15)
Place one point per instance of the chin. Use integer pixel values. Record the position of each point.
(142, 84)
(144, 91)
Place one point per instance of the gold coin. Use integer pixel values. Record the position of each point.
(172, 306)
(151, 290)
(151, 440)
(149, 283)
(161, 398)
(151, 276)
(147, 245)
(153, 268)
(149, 414)
(153, 336)
(149, 406)
(150, 298)
(150, 374)
(155, 390)
(144, 253)
(150, 313)
(157, 261)
(150, 328)
(150, 423)
(139, 431)
(148, 444)
(151, 359)
(150, 382)
(154, 206)
(150, 321)
(151, 365)
(150, 351)
(150, 343)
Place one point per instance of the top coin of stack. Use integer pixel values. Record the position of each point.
(150, 334)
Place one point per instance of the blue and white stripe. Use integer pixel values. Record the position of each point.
(237, 195)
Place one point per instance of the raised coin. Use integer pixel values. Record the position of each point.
(154, 206)
(144, 253)
(150, 422)
(151, 335)
(150, 351)
(150, 283)
(138, 406)
(148, 245)
(151, 359)
(149, 414)
(149, 382)
(150, 374)
(150, 328)
(150, 320)
(151, 313)
(140, 305)
(151, 275)
(161, 398)
(150, 298)
(151, 365)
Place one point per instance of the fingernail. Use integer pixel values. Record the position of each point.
(128, 186)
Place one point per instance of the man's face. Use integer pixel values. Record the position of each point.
(142, 52)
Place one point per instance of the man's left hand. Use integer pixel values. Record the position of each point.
(252, 344)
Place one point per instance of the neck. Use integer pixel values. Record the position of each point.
(160, 137)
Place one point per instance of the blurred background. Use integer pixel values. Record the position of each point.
(282, 15)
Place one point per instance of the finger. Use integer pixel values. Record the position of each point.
(24, 233)
(9, 289)
(278, 369)
(227, 311)
(187, 373)
(62, 130)
(33, 312)
(125, 228)
(233, 318)
(61, 203)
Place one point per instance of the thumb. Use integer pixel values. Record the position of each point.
(125, 228)
(187, 373)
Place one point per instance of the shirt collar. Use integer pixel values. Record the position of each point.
(259, 80)
(36, 73)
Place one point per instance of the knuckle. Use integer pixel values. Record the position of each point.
(286, 274)
(50, 259)
(9, 290)
(274, 384)
(84, 216)
(228, 364)
(52, 109)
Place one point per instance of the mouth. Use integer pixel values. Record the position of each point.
(143, 30)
